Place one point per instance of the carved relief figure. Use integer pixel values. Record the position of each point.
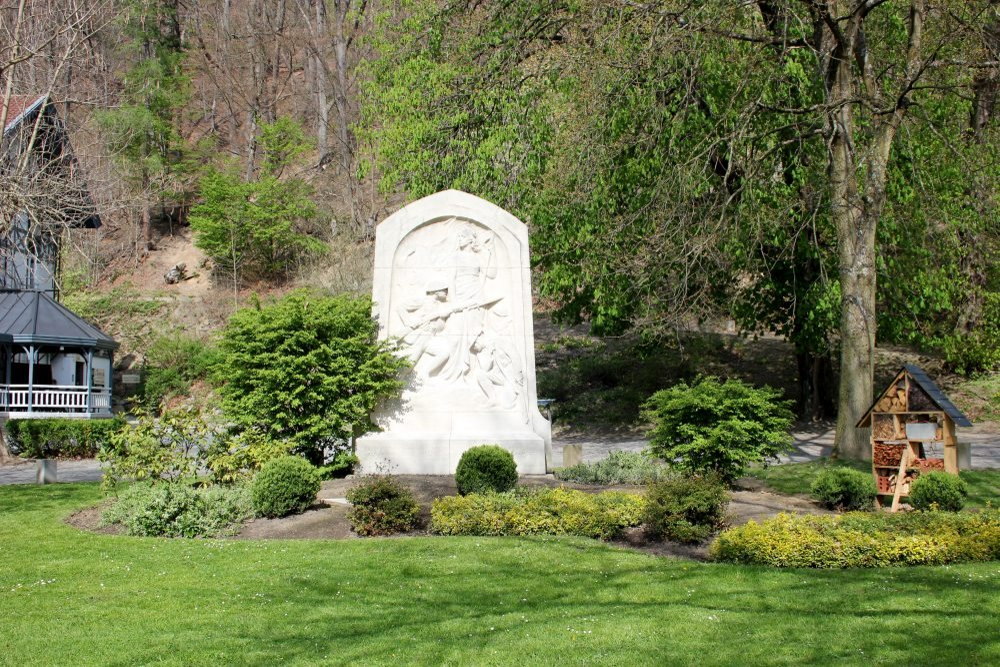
(450, 331)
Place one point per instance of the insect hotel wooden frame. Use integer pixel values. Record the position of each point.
(912, 431)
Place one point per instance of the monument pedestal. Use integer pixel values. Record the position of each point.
(452, 284)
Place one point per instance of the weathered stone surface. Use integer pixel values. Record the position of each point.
(452, 283)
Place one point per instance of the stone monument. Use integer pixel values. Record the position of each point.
(452, 285)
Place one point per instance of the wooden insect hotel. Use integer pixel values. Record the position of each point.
(912, 431)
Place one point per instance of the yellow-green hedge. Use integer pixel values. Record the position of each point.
(538, 512)
(863, 540)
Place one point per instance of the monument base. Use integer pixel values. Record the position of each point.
(438, 454)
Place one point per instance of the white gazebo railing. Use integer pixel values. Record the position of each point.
(20, 398)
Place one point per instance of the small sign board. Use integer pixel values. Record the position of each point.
(98, 377)
(130, 379)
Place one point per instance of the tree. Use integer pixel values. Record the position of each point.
(258, 228)
(306, 368)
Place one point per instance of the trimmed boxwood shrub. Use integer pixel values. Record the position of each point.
(538, 512)
(486, 468)
(179, 510)
(286, 485)
(844, 489)
(938, 489)
(61, 438)
(685, 509)
(863, 539)
(381, 506)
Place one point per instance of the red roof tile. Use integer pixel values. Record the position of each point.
(17, 106)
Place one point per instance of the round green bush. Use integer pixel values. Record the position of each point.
(381, 506)
(947, 492)
(286, 485)
(486, 468)
(845, 489)
(685, 509)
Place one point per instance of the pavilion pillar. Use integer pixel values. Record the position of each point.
(90, 379)
(31, 377)
(8, 361)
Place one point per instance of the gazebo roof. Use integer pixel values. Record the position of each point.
(35, 317)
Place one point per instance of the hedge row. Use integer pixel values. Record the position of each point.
(863, 540)
(538, 512)
(60, 438)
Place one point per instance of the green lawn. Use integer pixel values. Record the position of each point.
(984, 485)
(72, 598)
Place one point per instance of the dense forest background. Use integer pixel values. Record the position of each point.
(823, 170)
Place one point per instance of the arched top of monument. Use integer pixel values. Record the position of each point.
(444, 205)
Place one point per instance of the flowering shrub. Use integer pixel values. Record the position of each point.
(381, 506)
(179, 510)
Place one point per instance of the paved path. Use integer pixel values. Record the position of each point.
(809, 445)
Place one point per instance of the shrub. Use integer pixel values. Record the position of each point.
(179, 510)
(538, 512)
(174, 361)
(844, 489)
(167, 448)
(240, 456)
(938, 489)
(486, 468)
(617, 468)
(718, 427)
(287, 485)
(58, 438)
(381, 506)
(685, 509)
(307, 368)
(863, 540)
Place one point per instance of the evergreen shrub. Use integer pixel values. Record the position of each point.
(286, 485)
(685, 509)
(381, 506)
(486, 468)
(718, 427)
(938, 490)
(61, 438)
(538, 512)
(844, 489)
(179, 510)
(863, 539)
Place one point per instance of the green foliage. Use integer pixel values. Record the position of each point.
(60, 438)
(306, 368)
(486, 468)
(255, 229)
(617, 468)
(538, 512)
(380, 505)
(938, 490)
(863, 540)
(685, 509)
(238, 457)
(179, 510)
(844, 489)
(799, 477)
(286, 485)
(718, 427)
(161, 449)
(341, 465)
(173, 362)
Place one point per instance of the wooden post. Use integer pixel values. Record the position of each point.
(950, 447)
(897, 491)
(90, 379)
(31, 377)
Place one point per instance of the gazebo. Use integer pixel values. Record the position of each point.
(52, 362)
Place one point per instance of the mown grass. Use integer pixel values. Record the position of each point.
(69, 597)
(791, 478)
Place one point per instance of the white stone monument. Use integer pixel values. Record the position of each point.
(452, 284)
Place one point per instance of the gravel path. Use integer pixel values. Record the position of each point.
(809, 445)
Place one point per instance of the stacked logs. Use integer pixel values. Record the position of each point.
(928, 465)
(888, 455)
(893, 401)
